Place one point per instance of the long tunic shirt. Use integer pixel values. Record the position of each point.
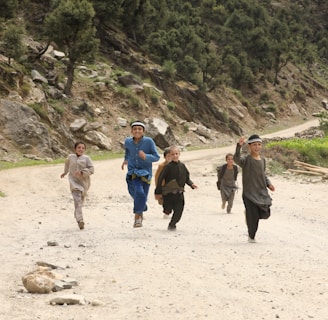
(82, 164)
(228, 183)
(255, 181)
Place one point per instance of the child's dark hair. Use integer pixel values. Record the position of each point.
(173, 148)
(166, 151)
(228, 155)
(79, 142)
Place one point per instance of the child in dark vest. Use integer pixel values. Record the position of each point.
(176, 176)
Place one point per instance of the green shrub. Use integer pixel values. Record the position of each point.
(59, 108)
(275, 167)
(25, 89)
(39, 109)
(323, 122)
(264, 98)
(169, 69)
(313, 151)
(171, 105)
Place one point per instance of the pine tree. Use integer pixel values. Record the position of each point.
(70, 27)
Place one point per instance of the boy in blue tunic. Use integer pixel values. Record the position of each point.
(140, 153)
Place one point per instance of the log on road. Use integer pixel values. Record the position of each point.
(307, 168)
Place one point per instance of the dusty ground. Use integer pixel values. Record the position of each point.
(205, 270)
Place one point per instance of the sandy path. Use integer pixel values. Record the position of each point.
(205, 270)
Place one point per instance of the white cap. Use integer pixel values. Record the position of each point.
(137, 123)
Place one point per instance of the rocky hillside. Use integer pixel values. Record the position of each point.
(38, 120)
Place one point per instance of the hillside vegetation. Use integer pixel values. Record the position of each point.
(206, 59)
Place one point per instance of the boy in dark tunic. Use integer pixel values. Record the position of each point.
(256, 197)
(176, 175)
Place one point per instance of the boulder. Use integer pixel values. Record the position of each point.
(99, 139)
(162, 134)
(40, 280)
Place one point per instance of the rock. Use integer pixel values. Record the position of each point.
(271, 115)
(63, 284)
(52, 243)
(162, 134)
(77, 125)
(40, 280)
(58, 54)
(122, 122)
(68, 299)
(203, 131)
(99, 139)
(294, 109)
(23, 125)
(92, 126)
(129, 80)
(97, 303)
(48, 265)
(324, 103)
(37, 77)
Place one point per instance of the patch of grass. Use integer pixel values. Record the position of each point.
(59, 108)
(105, 155)
(275, 167)
(24, 162)
(39, 109)
(313, 151)
(323, 120)
(171, 105)
(2, 195)
(134, 101)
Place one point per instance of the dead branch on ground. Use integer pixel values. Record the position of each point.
(310, 169)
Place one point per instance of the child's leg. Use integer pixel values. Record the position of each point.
(141, 189)
(230, 201)
(167, 206)
(130, 185)
(252, 217)
(178, 206)
(78, 202)
(223, 198)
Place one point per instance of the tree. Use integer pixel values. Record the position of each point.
(282, 47)
(8, 8)
(108, 12)
(12, 42)
(70, 26)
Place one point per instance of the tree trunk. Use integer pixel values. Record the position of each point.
(70, 78)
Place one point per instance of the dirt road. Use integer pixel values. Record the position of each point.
(205, 270)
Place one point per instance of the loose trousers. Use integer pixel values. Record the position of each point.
(78, 203)
(138, 190)
(253, 212)
(175, 202)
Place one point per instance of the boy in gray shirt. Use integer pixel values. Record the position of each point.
(256, 197)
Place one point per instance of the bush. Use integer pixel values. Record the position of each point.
(169, 69)
(313, 151)
(171, 105)
(323, 121)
